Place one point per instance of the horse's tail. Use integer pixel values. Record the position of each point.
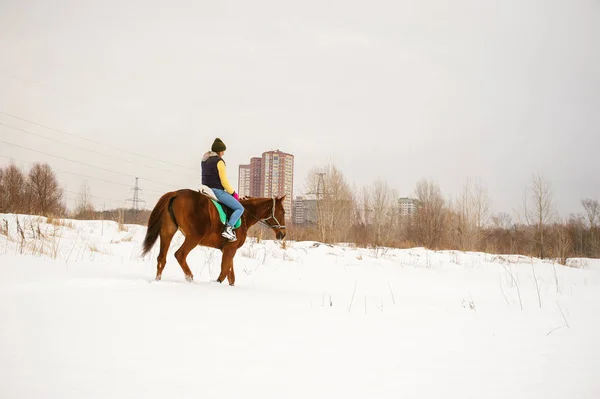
(155, 221)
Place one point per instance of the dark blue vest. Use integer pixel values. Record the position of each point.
(210, 173)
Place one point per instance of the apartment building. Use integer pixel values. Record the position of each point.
(271, 175)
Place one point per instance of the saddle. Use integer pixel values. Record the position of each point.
(224, 211)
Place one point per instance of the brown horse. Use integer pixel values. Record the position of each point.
(198, 220)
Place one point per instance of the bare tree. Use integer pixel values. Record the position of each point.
(466, 225)
(502, 220)
(379, 204)
(365, 206)
(481, 204)
(563, 243)
(540, 212)
(592, 212)
(84, 209)
(364, 211)
(500, 236)
(472, 212)
(430, 216)
(335, 203)
(592, 220)
(46, 195)
(12, 190)
(2, 191)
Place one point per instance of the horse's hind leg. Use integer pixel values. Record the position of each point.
(182, 254)
(165, 241)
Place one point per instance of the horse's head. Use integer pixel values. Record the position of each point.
(269, 212)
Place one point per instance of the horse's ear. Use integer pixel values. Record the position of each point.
(281, 198)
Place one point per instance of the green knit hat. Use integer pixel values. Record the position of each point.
(218, 145)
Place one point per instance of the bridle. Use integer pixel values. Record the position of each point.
(264, 220)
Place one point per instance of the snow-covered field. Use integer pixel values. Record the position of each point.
(81, 317)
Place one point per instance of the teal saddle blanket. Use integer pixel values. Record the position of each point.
(224, 216)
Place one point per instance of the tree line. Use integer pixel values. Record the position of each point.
(371, 217)
(34, 193)
(38, 192)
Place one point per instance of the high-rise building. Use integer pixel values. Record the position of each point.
(249, 178)
(255, 177)
(244, 178)
(277, 177)
(271, 175)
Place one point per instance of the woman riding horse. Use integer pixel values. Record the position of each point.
(214, 175)
(198, 219)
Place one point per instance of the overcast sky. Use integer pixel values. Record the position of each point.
(398, 90)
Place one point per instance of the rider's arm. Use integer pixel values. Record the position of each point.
(223, 177)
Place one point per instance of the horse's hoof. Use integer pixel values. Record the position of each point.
(232, 285)
(219, 281)
(189, 279)
(157, 279)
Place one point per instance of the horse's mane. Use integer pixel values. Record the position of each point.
(247, 198)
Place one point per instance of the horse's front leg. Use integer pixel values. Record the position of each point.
(227, 264)
(231, 275)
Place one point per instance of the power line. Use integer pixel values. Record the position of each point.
(95, 142)
(83, 163)
(81, 175)
(95, 196)
(82, 148)
(118, 201)
(78, 174)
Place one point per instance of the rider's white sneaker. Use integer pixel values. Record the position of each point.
(229, 233)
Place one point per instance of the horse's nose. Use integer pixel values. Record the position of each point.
(280, 235)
